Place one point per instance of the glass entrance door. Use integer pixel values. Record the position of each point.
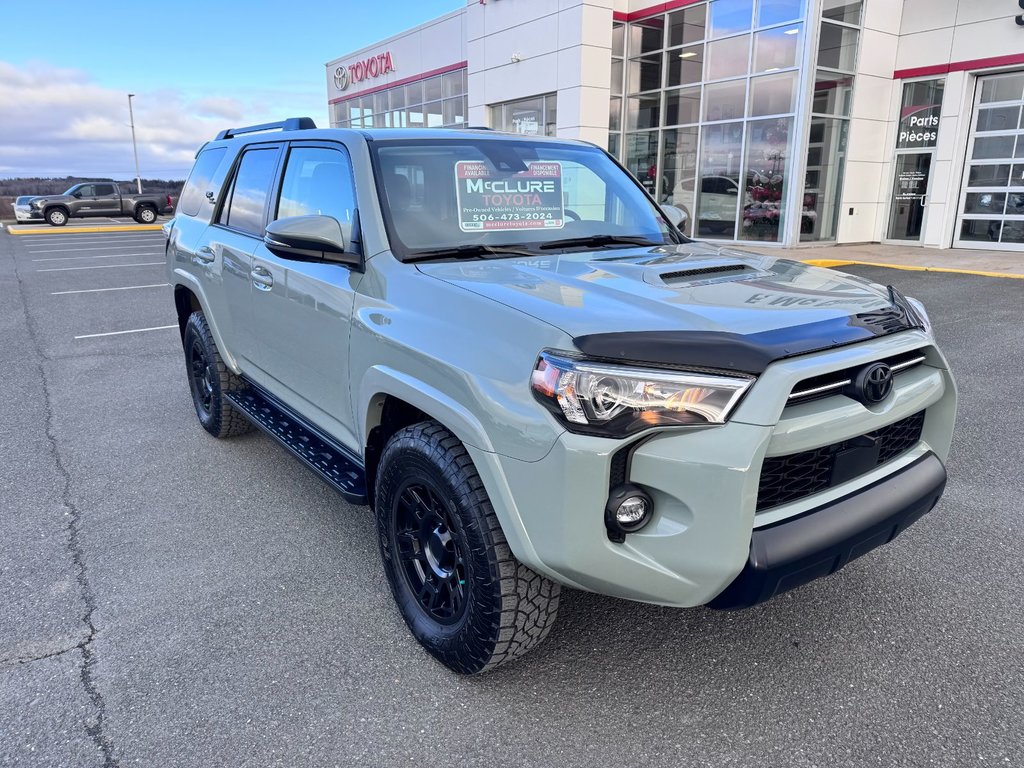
(909, 196)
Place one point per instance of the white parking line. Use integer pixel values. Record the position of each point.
(119, 333)
(102, 266)
(100, 290)
(151, 254)
(101, 248)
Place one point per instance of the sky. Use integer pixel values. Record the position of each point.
(194, 67)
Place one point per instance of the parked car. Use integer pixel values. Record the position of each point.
(99, 199)
(717, 206)
(23, 210)
(504, 347)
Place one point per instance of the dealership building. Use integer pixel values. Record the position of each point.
(773, 121)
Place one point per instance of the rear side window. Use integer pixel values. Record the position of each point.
(198, 183)
(249, 194)
(317, 181)
(104, 189)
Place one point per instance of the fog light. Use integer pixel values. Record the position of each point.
(628, 510)
(632, 511)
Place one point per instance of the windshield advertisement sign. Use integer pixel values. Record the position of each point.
(531, 199)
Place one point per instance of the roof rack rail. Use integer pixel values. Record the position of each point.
(291, 124)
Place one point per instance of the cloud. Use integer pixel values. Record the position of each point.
(59, 122)
(227, 108)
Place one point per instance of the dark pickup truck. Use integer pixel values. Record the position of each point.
(98, 199)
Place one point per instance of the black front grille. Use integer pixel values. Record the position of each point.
(787, 478)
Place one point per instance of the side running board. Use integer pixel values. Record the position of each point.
(326, 457)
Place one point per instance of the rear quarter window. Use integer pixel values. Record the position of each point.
(199, 181)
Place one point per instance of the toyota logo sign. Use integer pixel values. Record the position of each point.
(341, 79)
(874, 383)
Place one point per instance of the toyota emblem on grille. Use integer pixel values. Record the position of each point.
(874, 383)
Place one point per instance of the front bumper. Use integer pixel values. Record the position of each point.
(705, 484)
(23, 215)
(820, 542)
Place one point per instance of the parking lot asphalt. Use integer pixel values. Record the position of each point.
(170, 599)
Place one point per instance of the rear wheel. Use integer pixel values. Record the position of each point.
(145, 215)
(209, 379)
(461, 591)
(56, 217)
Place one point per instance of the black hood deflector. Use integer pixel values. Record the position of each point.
(751, 353)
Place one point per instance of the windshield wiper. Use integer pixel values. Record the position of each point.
(596, 241)
(472, 251)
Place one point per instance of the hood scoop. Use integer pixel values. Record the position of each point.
(677, 276)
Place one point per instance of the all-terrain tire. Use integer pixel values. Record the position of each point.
(56, 217)
(506, 609)
(145, 215)
(209, 379)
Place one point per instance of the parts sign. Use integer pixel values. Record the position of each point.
(531, 199)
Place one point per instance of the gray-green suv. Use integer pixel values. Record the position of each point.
(508, 350)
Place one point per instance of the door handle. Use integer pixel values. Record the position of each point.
(205, 255)
(261, 278)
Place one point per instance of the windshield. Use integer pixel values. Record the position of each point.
(477, 196)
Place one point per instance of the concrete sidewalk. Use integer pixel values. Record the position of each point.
(997, 263)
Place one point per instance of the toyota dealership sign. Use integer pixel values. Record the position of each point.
(362, 70)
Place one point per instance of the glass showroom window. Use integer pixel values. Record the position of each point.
(830, 119)
(615, 86)
(435, 102)
(710, 95)
(535, 116)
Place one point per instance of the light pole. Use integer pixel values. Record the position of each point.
(135, 147)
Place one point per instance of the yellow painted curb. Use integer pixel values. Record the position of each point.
(87, 230)
(909, 268)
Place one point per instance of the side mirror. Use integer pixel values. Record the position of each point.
(676, 216)
(309, 238)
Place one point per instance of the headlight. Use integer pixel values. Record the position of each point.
(615, 401)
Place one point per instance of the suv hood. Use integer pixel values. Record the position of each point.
(638, 294)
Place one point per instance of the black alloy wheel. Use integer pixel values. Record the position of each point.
(459, 588)
(209, 379)
(201, 375)
(428, 548)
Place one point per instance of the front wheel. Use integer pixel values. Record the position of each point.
(145, 216)
(56, 217)
(461, 591)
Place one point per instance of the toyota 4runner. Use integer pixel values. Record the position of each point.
(507, 350)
